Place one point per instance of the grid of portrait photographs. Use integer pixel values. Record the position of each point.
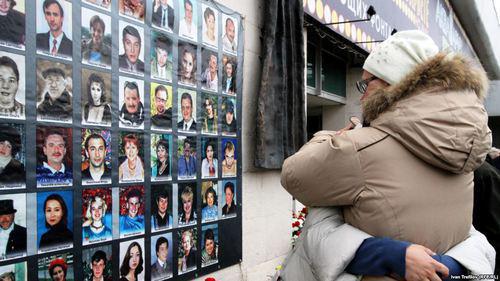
(120, 139)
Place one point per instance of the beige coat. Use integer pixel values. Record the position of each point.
(409, 175)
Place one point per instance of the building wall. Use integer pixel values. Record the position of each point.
(266, 206)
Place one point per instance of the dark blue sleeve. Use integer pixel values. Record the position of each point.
(379, 256)
(383, 256)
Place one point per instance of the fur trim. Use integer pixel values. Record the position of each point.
(446, 72)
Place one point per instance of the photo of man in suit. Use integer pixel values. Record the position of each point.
(163, 14)
(187, 123)
(162, 268)
(161, 59)
(129, 61)
(54, 42)
(12, 235)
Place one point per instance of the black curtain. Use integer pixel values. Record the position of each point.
(281, 119)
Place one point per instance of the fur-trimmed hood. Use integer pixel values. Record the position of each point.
(437, 112)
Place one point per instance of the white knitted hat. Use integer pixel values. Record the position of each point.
(397, 56)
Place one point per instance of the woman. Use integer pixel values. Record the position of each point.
(11, 170)
(131, 169)
(209, 34)
(209, 164)
(96, 110)
(211, 250)
(56, 220)
(58, 270)
(187, 259)
(210, 118)
(187, 65)
(133, 8)
(230, 207)
(162, 161)
(8, 276)
(94, 228)
(188, 214)
(210, 211)
(132, 263)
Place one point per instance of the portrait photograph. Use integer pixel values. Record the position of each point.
(132, 9)
(101, 4)
(132, 209)
(130, 100)
(210, 69)
(187, 251)
(186, 108)
(161, 257)
(209, 244)
(131, 42)
(161, 99)
(187, 203)
(13, 233)
(97, 263)
(229, 65)
(161, 207)
(54, 86)
(12, 156)
(96, 156)
(229, 34)
(228, 190)
(54, 156)
(229, 149)
(209, 209)
(209, 164)
(96, 98)
(161, 157)
(13, 22)
(130, 158)
(188, 19)
(96, 38)
(210, 25)
(163, 15)
(97, 223)
(56, 267)
(161, 56)
(55, 220)
(186, 157)
(209, 109)
(53, 28)
(132, 260)
(13, 73)
(187, 64)
(14, 272)
(229, 125)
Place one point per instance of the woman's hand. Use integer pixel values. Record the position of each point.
(420, 266)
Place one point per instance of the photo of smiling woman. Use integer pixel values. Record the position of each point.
(132, 260)
(56, 268)
(96, 213)
(131, 153)
(96, 98)
(55, 220)
(12, 72)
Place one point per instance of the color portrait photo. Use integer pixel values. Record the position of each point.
(209, 245)
(132, 260)
(228, 190)
(187, 252)
(53, 27)
(161, 107)
(161, 207)
(188, 20)
(210, 70)
(163, 15)
(131, 103)
(131, 155)
(209, 110)
(96, 98)
(229, 65)
(186, 116)
(13, 22)
(96, 38)
(161, 157)
(13, 233)
(210, 202)
(161, 256)
(56, 267)
(229, 34)
(230, 157)
(186, 157)
(187, 203)
(12, 156)
(96, 156)
(228, 121)
(209, 164)
(132, 209)
(54, 220)
(210, 25)
(161, 56)
(97, 263)
(13, 77)
(54, 92)
(96, 215)
(131, 48)
(54, 162)
(102, 4)
(14, 272)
